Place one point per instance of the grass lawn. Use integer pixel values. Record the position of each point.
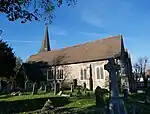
(27, 96)
(29, 103)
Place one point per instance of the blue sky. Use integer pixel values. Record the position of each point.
(86, 21)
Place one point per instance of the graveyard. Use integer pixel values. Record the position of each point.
(77, 99)
(85, 103)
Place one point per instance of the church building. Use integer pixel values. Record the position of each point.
(84, 63)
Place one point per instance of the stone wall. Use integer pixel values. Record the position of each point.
(74, 71)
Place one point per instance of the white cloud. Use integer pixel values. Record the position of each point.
(23, 41)
(93, 34)
(92, 18)
(58, 31)
(89, 34)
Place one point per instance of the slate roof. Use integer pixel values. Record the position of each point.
(90, 51)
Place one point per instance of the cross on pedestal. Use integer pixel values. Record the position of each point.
(111, 67)
(116, 105)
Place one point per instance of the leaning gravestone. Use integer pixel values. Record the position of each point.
(29, 86)
(34, 91)
(99, 98)
(116, 105)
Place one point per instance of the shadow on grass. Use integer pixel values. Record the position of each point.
(87, 110)
(30, 104)
(5, 96)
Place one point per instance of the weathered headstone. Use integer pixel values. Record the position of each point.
(116, 104)
(74, 83)
(72, 88)
(99, 98)
(84, 85)
(29, 86)
(125, 92)
(42, 85)
(56, 88)
(148, 93)
(34, 91)
(13, 84)
(47, 88)
(79, 92)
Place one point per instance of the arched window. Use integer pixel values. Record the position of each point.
(85, 74)
(81, 74)
(98, 73)
(102, 74)
(61, 74)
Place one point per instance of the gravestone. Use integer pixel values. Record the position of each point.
(74, 83)
(79, 92)
(125, 93)
(28, 86)
(56, 88)
(148, 93)
(99, 98)
(116, 105)
(84, 85)
(47, 88)
(42, 85)
(72, 89)
(13, 84)
(34, 90)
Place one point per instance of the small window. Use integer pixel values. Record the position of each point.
(98, 73)
(81, 74)
(85, 74)
(44, 71)
(60, 74)
(50, 74)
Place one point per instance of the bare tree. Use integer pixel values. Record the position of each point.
(140, 68)
(59, 62)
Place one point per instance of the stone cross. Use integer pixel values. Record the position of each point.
(111, 67)
(116, 105)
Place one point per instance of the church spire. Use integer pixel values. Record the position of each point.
(45, 43)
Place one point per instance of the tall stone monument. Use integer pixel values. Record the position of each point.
(116, 105)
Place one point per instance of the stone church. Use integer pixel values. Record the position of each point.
(84, 63)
